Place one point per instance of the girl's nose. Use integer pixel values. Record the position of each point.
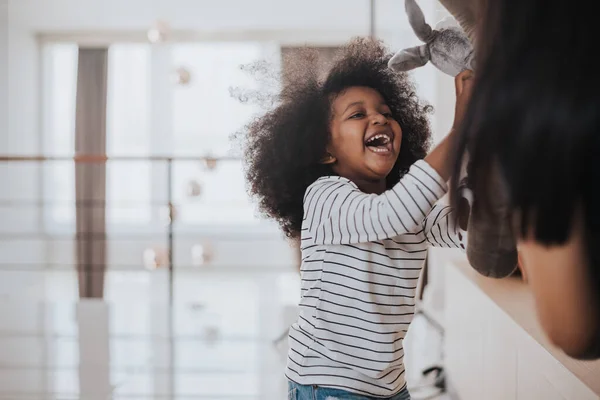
(379, 119)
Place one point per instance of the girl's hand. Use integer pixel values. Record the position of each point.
(463, 84)
(441, 158)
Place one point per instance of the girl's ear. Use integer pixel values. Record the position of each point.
(328, 159)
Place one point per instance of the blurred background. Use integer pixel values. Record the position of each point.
(133, 265)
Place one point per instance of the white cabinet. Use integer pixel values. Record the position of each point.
(495, 349)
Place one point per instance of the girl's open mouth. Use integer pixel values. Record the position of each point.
(380, 143)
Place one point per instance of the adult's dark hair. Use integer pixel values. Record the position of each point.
(283, 148)
(535, 114)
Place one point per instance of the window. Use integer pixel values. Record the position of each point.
(148, 113)
(127, 134)
(204, 112)
(60, 82)
(205, 115)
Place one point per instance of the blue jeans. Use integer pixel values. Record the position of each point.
(309, 392)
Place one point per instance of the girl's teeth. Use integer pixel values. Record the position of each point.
(380, 150)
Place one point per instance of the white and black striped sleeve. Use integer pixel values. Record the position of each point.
(337, 212)
(441, 229)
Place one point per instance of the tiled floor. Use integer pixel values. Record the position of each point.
(218, 341)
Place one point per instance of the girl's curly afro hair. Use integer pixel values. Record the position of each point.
(283, 148)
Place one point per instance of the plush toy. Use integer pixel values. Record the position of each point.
(491, 246)
(447, 46)
(465, 12)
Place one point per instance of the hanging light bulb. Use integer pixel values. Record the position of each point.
(210, 163)
(159, 32)
(211, 334)
(168, 214)
(181, 76)
(154, 258)
(202, 254)
(194, 188)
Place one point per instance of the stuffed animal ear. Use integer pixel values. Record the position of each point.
(410, 58)
(417, 21)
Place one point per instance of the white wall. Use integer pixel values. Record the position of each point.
(189, 14)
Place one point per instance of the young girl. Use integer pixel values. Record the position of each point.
(339, 164)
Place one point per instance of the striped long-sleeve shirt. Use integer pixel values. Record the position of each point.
(362, 255)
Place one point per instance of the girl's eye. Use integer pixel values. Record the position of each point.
(388, 115)
(357, 115)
